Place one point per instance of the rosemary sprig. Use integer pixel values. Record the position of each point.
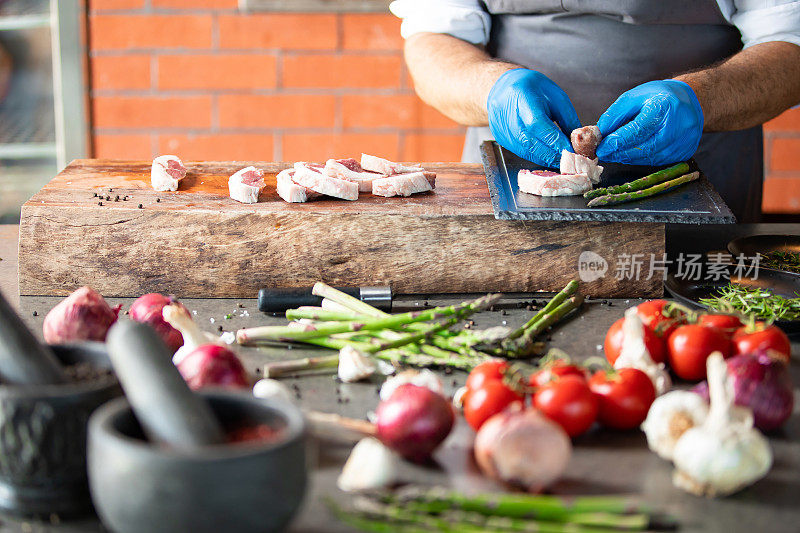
(787, 261)
(757, 303)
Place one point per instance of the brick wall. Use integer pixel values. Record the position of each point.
(197, 78)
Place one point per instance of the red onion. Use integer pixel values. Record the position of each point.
(211, 365)
(414, 421)
(147, 309)
(522, 448)
(83, 315)
(762, 383)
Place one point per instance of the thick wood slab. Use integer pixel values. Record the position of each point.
(198, 242)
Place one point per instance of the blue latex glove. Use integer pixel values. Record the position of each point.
(656, 123)
(522, 106)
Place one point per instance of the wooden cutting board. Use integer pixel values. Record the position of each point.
(198, 242)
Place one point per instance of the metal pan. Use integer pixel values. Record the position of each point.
(753, 245)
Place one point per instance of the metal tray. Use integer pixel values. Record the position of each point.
(694, 203)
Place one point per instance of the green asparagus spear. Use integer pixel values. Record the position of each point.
(642, 183)
(612, 199)
(522, 346)
(566, 292)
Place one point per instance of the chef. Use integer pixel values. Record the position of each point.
(664, 80)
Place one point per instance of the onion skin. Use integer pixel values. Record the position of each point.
(147, 309)
(523, 449)
(83, 316)
(211, 365)
(761, 382)
(414, 421)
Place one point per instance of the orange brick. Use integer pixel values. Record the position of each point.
(320, 147)
(196, 4)
(127, 32)
(785, 154)
(217, 147)
(371, 32)
(122, 146)
(358, 71)
(432, 147)
(224, 71)
(151, 112)
(787, 121)
(101, 5)
(278, 30)
(781, 195)
(121, 72)
(400, 111)
(277, 111)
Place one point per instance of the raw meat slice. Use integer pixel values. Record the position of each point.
(350, 170)
(401, 185)
(585, 140)
(167, 171)
(246, 184)
(572, 163)
(548, 183)
(384, 166)
(311, 176)
(291, 191)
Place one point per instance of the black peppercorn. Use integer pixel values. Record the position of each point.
(35, 313)
(141, 206)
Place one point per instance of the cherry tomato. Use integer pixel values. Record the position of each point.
(491, 370)
(624, 397)
(652, 315)
(556, 369)
(690, 346)
(569, 402)
(490, 398)
(613, 343)
(762, 338)
(727, 324)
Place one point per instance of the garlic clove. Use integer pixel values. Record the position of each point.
(670, 416)
(371, 466)
(354, 365)
(634, 353)
(272, 389)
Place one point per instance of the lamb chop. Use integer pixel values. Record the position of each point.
(350, 170)
(291, 191)
(166, 173)
(548, 183)
(402, 184)
(246, 184)
(585, 140)
(312, 176)
(385, 167)
(572, 163)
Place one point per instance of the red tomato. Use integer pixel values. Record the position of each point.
(652, 314)
(725, 323)
(556, 369)
(762, 338)
(613, 343)
(482, 403)
(624, 397)
(569, 402)
(690, 346)
(491, 370)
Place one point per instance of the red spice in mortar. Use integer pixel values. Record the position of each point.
(259, 433)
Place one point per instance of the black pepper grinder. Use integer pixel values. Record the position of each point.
(23, 359)
(167, 409)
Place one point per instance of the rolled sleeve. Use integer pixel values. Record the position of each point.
(464, 19)
(761, 21)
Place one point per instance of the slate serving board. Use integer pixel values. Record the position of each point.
(695, 203)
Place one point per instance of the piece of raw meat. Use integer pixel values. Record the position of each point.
(350, 170)
(312, 176)
(548, 183)
(384, 166)
(246, 184)
(291, 191)
(585, 140)
(402, 184)
(572, 163)
(167, 171)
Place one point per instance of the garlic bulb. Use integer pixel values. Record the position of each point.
(422, 378)
(354, 365)
(726, 453)
(670, 416)
(371, 466)
(634, 353)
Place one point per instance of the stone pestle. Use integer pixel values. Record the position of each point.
(23, 359)
(167, 409)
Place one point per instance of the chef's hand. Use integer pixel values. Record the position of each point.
(522, 106)
(656, 123)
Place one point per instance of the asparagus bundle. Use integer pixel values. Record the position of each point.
(642, 183)
(611, 199)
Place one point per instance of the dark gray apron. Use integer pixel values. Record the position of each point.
(597, 49)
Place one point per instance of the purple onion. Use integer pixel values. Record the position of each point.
(762, 383)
